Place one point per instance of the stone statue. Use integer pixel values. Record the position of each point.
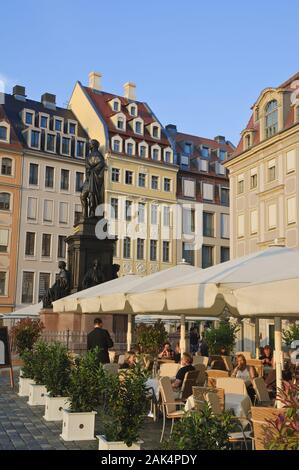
(60, 288)
(93, 276)
(92, 193)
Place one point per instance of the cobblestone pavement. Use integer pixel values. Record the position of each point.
(22, 427)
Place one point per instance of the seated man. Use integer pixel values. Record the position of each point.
(187, 366)
(167, 352)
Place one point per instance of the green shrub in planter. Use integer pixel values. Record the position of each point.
(27, 367)
(222, 336)
(201, 431)
(151, 337)
(57, 372)
(126, 405)
(86, 383)
(25, 334)
(40, 361)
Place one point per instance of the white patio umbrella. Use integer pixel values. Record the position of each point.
(31, 311)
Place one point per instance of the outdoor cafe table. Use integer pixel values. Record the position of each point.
(232, 402)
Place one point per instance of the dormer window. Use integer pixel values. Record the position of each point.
(156, 153)
(115, 105)
(120, 123)
(66, 146)
(271, 118)
(143, 150)
(58, 125)
(156, 132)
(35, 139)
(3, 133)
(247, 141)
(132, 109)
(138, 127)
(205, 151)
(168, 155)
(187, 148)
(130, 147)
(29, 116)
(44, 121)
(222, 155)
(50, 142)
(116, 145)
(72, 127)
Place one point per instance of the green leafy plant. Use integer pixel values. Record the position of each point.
(126, 406)
(291, 334)
(27, 367)
(222, 336)
(40, 361)
(282, 433)
(151, 337)
(201, 430)
(57, 372)
(25, 334)
(86, 383)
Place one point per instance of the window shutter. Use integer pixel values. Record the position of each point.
(189, 188)
(4, 237)
(31, 209)
(208, 191)
(63, 212)
(254, 221)
(48, 210)
(291, 210)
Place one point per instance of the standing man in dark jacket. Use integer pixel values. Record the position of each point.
(101, 338)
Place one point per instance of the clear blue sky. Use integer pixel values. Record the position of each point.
(199, 64)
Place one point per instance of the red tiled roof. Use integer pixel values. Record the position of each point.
(101, 101)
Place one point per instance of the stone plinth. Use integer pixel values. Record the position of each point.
(73, 321)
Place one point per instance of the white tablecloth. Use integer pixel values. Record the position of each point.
(154, 384)
(232, 402)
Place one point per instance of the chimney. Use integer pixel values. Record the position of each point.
(49, 100)
(130, 91)
(220, 139)
(95, 81)
(19, 92)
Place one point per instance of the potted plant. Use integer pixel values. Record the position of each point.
(56, 379)
(85, 394)
(222, 337)
(151, 338)
(201, 430)
(27, 376)
(126, 405)
(40, 358)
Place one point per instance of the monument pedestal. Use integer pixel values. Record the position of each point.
(72, 321)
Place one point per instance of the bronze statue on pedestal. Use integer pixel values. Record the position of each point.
(61, 287)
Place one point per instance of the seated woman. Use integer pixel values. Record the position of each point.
(267, 356)
(167, 352)
(130, 360)
(246, 373)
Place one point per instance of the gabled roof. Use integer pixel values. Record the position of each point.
(14, 141)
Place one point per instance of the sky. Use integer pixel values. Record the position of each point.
(199, 64)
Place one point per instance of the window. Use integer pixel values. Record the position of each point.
(127, 247)
(253, 222)
(77, 214)
(222, 155)
(153, 250)
(72, 128)
(271, 170)
(167, 156)
(155, 182)
(79, 181)
(34, 141)
(240, 185)
(154, 214)
(140, 248)
(116, 145)
(271, 118)
(165, 255)
(31, 208)
(247, 141)
(188, 253)
(188, 220)
(141, 213)
(166, 216)
(224, 254)
(46, 244)
(2, 283)
(291, 210)
(44, 122)
(6, 166)
(130, 148)
(65, 146)
(272, 216)
(155, 154)
(50, 143)
(138, 127)
(48, 211)
(128, 211)
(224, 196)
(63, 213)
(167, 184)
(208, 224)
(187, 148)
(30, 244)
(188, 188)
(44, 284)
(4, 234)
(142, 151)
(129, 177)
(64, 180)
(156, 132)
(141, 180)
(115, 106)
(29, 118)
(207, 256)
(253, 179)
(208, 192)
(224, 226)
(27, 287)
(241, 225)
(33, 174)
(205, 152)
(4, 201)
(58, 125)
(291, 161)
(115, 173)
(80, 149)
(114, 208)
(49, 177)
(3, 133)
(61, 248)
(120, 123)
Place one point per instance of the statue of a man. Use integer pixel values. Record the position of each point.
(94, 276)
(92, 193)
(60, 288)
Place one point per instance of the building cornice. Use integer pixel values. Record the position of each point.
(272, 191)
(144, 161)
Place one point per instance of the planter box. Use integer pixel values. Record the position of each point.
(24, 386)
(119, 445)
(78, 426)
(37, 395)
(54, 407)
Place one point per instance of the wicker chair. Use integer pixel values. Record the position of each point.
(199, 394)
(262, 394)
(190, 380)
(169, 369)
(259, 415)
(202, 374)
(232, 385)
(258, 365)
(200, 360)
(216, 374)
(246, 354)
(169, 404)
(228, 363)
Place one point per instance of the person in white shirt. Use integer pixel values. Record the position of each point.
(246, 373)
